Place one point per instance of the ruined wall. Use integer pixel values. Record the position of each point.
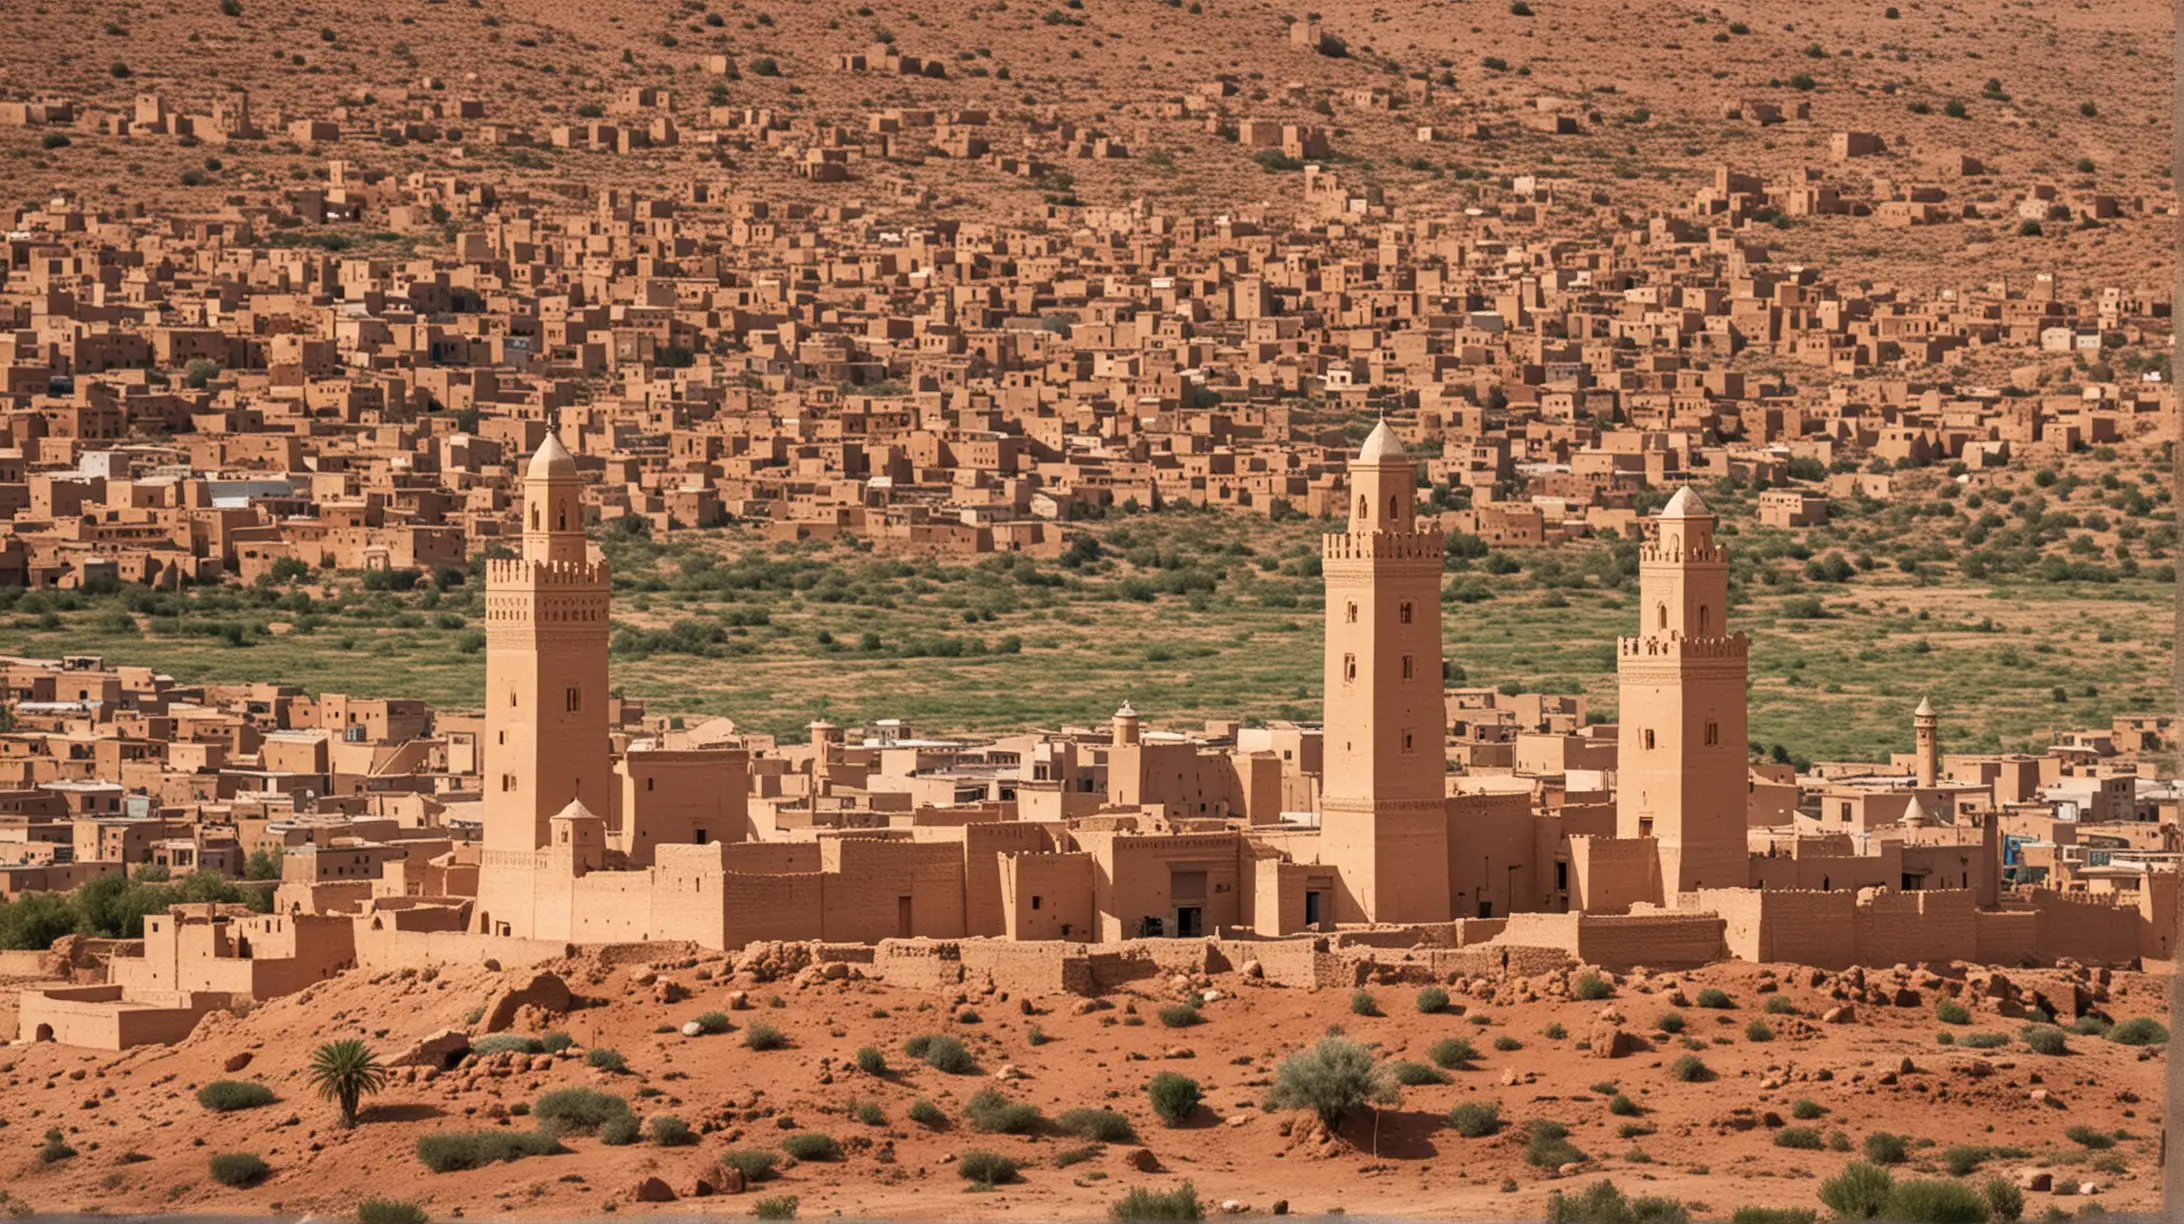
(1046, 968)
(918, 964)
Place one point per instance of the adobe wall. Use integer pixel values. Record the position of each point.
(1046, 896)
(1306, 963)
(1906, 928)
(1488, 834)
(1134, 960)
(1045, 968)
(395, 949)
(984, 847)
(1656, 939)
(769, 907)
(1608, 875)
(2009, 937)
(918, 964)
(771, 858)
(866, 880)
(2096, 932)
(94, 1017)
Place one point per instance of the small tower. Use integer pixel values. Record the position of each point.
(1383, 807)
(1926, 730)
(1125, 726)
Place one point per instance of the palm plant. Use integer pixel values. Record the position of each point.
(347, 1071)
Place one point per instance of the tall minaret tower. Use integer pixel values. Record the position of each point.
(1926, 730)
(1383, 814)
(545, 683)
(1681, 759)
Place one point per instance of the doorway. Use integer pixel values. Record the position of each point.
(902, 917)
(1314, 908)
(1189, 922)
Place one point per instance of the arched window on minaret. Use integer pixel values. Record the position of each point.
(1361, 511)
(1395, 509)
(1705, 620)
(561, 517)
(534, 518)
(1661, 613)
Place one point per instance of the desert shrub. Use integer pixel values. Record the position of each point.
(1179, 1015)
(1180, 1203)
(1803, 1138)
(811, 1145)
(869, 1113)
(1592, 988)
(995, 1114)
(450, 1151)
(606, 1060)
(1690, 1069)
(1779, 1005)
(1507, 1044)
(2045, 1039)
(1984, 1041)
(1433, 1000)
(1331, 1079)
(1476, 1119)
(390, 1211)
(227, 1096)
(760, 1035)
(577, 1111)
(667, 1130)
(1757, 1030)
(714, 1022)
(2139, 1032)
(1175, 1097)
(1961, 1159)
(2005, 1202)
(1805, 1109)
(1547, 1145)
(555, 1042)
(871, 1061)
(1715, 998)
(780, 1206)
(508, 1043)
(1949, 1011)
(1099, 1125)
(1555, 1031)
(987, 1168)
(1363, 1004)
(1623, 1107)
(2086, 1137)
(1451, 1053)
(944, 1053)
(2091, 1026)
(755, 1164)
(620, 1132)
(1774, 1215)
(1077, 1155)
(1933, 1201)
(238, 1169)
(56, 1148)
(1415, 1074)
(1859, 1192)
(925, 1113)
(1884, 1148)
(1670, 1022)
(1602, 1203)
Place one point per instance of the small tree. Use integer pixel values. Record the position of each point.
(346, 1072)
(1331, 1079)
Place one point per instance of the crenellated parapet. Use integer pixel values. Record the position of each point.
(1381, 546)
(524, 572)
(1677, 646)
(1654, 552)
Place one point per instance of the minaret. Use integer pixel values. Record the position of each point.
(1124, 726)
(1383, 811)
(1926, 730)
(545, 685)
(1681, 762)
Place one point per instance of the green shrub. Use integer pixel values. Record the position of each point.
(1415, 1074)
(1716, 999)
(760, 1035)
(2086, 1137)
(1433, 1000)
(986, 1168)
(1984, 1041)
(1690, 1069)
(1507, 1044)
(2045, 1039)
(1961, 1159)
(555, 1042)
(1949, 1011)
(1363, 1004)
(1175, 1097)
(1602, 1203)
(1077, 1155)
(667, 1130)
(390, 1211)
(451, 1151)
(1805, 1109)
(227, 1096)
(1592, 988)
(1757, 1030)
(1779, 1005)
(1555, 1031)
(620, 1132)
(1774, 1215)
(995, 1114)
(238, 1169)
(2139, 1032)
(1179, 1015)
(780, 1206)
(1331, 1079)
(1452, 1053)
(755, 1164)
(1476, 1119)
(1932, 1201)
(1547, 1145)
(1859, 1192)
(1623, 1107)
(1670, 1022)
(925, 1113)
(1098, 1125)
(1180, 1203)
(2091, 1026)
(578, 1111)
(871, 1061)
(713, 1022)
(507, 1043)
(943, 1053)
(811, 1145)
(606, 1060)
(1884, 1148)
(1803, 1138)
(56, 1147)
(2004, 1200)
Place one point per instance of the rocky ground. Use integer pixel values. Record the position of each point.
(1862, 1047)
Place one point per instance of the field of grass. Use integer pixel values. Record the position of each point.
(1193, 615)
